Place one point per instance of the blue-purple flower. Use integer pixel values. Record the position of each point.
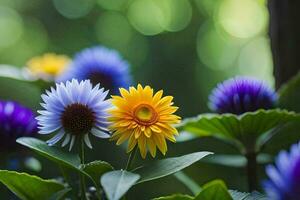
(74, 110)
(284, 177)
(100, 65)
(242, 94)
(15, 121)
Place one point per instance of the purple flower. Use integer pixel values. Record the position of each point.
(242, 94)
(74, 110)
(99, 65)
(15, 121)
(284, 177)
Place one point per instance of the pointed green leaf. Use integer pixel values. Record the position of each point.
(215, 190)
(117, 183)
(96, 169)
(245, 128)
(28, 187)
(175, 197)
(50, 152)
(168, 166)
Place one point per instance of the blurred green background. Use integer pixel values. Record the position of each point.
(182, 46)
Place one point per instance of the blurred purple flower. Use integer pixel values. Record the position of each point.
(15, 121)
(284, 177)
(100, 65)
(242, 94)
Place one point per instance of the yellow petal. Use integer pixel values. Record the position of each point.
(148, 132)
(131, 143)
(152, 147)
(142, 146)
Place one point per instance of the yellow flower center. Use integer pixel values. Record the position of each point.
(145, 114)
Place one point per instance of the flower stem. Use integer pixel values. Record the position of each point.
(252, 170)
(131, 158)
(82, 178)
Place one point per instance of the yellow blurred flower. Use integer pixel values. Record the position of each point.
(48, 65)
(144, 119)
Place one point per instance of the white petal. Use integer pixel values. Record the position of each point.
(56, 138)
(72, 142)
(87, 141)
(66, 140)
(98, 133)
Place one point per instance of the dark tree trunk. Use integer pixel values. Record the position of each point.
(285, 38)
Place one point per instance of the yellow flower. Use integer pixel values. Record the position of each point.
(143, 119)
(48, 65)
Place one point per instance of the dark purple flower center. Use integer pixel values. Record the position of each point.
(105, 80)
(78, 119)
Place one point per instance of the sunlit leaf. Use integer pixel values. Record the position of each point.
(168, 166)
(215, 190)
(243, 129)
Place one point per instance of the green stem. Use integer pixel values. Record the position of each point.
(82, 178)
(131, 158)
(252, 171)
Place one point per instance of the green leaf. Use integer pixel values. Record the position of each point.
(175, 197)
(21, 91)
(236, 160)
(60, 194)
(289, 96)
(247, 196)
(242, 129)
(52, 153)
(28, 187)
(96, 169)
(215, 190)
(168, 166)
(117, 183)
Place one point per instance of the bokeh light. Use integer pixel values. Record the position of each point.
(73, 8)
(215, 50)
(11, 27)
(242, 18)
(112, 4)
(256, 60)
(145, 16)
(176, 13)
(151, 17)
(113, 29)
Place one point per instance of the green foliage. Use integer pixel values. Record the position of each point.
(188, 182)
(96, 169)
(60, 194)
(117, 183)
(236, 160)
(22, 91)
(215, 190)
(289, 96)
(244, 130)
(28, 187)
(175, 197)
(52, 153)
(168, 166)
